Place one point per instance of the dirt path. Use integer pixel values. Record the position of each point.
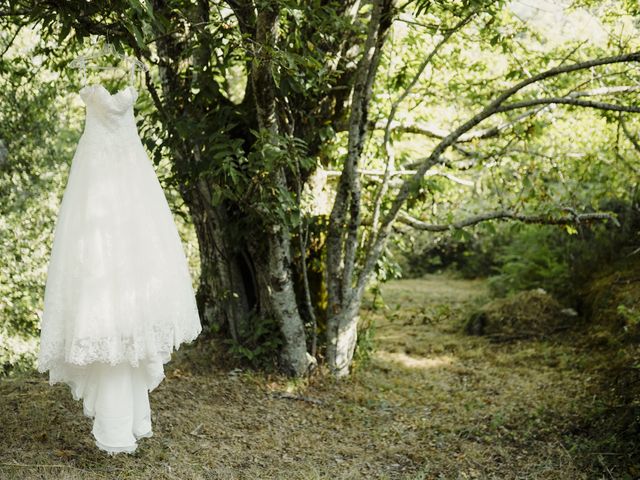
(431, 403)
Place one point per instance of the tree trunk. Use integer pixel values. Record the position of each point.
(345, 219)
(225, 295)
(277, 299)
(345, 341)
(272, 255)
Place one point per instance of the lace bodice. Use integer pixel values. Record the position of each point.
(109, 116)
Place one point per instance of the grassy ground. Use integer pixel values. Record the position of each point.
(429, 403)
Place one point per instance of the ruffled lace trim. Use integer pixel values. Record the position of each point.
(114, 350)
(68, 365)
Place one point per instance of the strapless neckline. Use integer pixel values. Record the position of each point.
(103, 88)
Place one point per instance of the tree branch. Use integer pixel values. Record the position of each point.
(261, 72)
(574, 218)
(437, 132)
(568, 101)
(356, 140)
(244, 10)
(630, 137)
(634, 143)
(605, 91)
(11, 40)
(347, 198)
(396, 173)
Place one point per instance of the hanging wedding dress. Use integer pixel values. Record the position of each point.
(118, 295)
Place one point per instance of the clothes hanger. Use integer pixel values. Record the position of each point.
(80, 62)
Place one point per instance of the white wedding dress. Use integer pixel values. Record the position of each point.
(118, 296)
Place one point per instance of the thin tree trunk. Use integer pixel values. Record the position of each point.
(272, 252)
(277, 299)
(343, 304)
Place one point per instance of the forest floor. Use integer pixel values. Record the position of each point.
(429, 403)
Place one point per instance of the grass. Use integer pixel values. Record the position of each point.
(429, 402)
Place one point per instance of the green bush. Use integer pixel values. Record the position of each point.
(517, 256)
(537, 257)
(562, 259)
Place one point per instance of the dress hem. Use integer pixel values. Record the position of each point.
(63, 371)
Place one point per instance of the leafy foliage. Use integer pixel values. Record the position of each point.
(536, 258)
(31, 175)
(261, 342)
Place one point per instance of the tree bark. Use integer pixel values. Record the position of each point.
(272, 253)
(342, 236)
(225, 294)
